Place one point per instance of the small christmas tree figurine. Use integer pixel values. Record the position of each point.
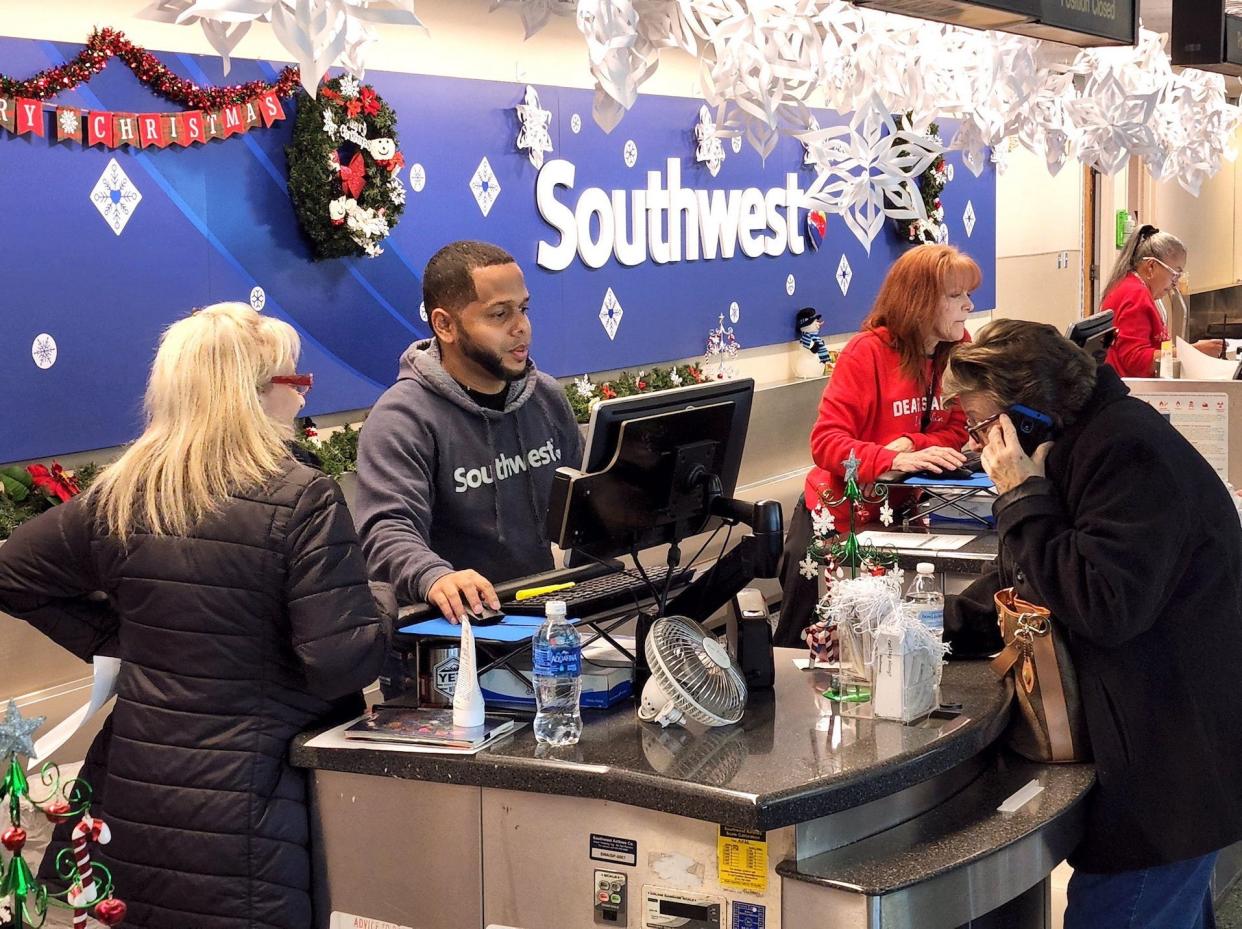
(722, 348)
(88, 887)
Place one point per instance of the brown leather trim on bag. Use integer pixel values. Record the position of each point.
(1056, 713)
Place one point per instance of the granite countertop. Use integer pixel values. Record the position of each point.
(791, 759)
(964, 829)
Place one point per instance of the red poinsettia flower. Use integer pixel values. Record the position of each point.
(353, 108)
(370, 101)
(642, 385)
(55, 482)
(607, 392)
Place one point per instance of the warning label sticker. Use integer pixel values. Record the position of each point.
(742, 860)
(748, 915)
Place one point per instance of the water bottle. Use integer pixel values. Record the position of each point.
(558, 678)
(924, 593)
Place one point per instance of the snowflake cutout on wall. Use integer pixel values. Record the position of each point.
(968, 218)
(115, 196)
(258, 298)
(845, 274)
(791, 284)
(485, 186)
(876, 177)
(630, 153)
(534, 136)
(610, 314)
(536, 13)
(43, 351)
(418, 177)
(709, 151)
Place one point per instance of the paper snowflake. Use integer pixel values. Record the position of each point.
(317, 33)
(876, 177)
(43, 350)
(534, 135)
(1113, 124)
(536, 13)
(115, 196)
(823, 522)
(808, 568)
(709, 151)
(886, 514)
(68, 122)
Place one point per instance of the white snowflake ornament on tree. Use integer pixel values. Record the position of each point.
(808, 568)
(349, 87)
(886, 514)
(875, 178)
(534, 136)
(823, 523)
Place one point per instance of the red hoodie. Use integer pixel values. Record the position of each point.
(1140, 327)
(868, 403)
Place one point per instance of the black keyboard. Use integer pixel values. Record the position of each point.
(597, 595)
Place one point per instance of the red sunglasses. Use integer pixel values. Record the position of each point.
(299, 382)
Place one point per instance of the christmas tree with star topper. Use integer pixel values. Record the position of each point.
(722, 348)
(834, 552)
(88, 886)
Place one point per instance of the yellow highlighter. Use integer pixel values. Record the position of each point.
(530, 592)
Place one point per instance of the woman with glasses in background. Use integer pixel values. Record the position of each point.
(1148, 268)
(235, 592)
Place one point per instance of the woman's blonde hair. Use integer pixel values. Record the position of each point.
(206, 435)
(1146, 242)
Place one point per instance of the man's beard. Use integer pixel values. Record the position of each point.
(489, 361)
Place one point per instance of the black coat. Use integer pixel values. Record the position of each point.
(235, 638)
(1134, 545)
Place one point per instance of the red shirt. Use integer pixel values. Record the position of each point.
(1140, 327)
(868, 403)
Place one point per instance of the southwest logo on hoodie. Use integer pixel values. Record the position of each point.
(504, 467)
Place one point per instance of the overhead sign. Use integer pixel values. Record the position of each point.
(1206, 37)
(1073, 22)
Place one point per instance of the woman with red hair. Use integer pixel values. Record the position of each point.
(883, 403)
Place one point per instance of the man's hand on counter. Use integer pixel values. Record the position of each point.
(462, 592)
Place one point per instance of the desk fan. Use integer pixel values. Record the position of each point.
(692, 677)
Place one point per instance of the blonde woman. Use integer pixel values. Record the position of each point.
(237, 598)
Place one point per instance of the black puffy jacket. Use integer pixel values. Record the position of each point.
(251, 629)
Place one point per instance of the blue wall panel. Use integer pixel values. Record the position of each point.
(215, 221)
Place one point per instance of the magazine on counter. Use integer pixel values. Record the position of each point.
(425, 726)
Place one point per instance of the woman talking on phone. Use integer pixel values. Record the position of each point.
(1094, 526)
(883, 404)
(1148, 268)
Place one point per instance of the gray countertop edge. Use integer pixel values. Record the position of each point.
(960, 832)
(653, 791)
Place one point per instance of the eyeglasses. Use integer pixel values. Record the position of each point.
(1177, 275)
(976, 430)
(299, 382)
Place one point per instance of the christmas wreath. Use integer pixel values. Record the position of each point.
(930, 183)
(344, 169)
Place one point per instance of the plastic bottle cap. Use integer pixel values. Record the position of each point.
(554, 607)
(926, 567)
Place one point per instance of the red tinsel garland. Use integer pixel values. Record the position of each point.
(105, 44)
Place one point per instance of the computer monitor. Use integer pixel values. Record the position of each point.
(652, 468)
(1094, 335)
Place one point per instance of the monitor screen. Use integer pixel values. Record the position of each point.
(1094, 335)
(648, 468)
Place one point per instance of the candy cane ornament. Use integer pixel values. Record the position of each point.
(83, 896)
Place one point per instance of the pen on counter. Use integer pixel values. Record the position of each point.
(530, 592)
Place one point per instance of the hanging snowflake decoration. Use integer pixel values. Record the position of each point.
(709, 150)
(536, 13)
(823, 523)
(534, 136)
(1113, 124)
(874, 178)
(886, 514)
(316, 33)
(808, 568)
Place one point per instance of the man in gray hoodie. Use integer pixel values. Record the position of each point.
(455, 462)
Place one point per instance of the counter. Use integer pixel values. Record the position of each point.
(505, 837)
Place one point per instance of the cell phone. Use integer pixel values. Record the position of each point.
(1033, 427)
(486, 617)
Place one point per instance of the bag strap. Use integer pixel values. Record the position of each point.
(1003, 663)
(1056, 713)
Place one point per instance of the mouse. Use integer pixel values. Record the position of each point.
(486, 617)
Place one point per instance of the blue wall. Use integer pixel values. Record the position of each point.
(215, 221)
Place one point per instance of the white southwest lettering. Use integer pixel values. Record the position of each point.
(504, 467)
(634, 225)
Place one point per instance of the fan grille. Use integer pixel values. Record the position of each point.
(706, 690)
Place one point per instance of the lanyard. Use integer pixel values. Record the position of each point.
(927, 399)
